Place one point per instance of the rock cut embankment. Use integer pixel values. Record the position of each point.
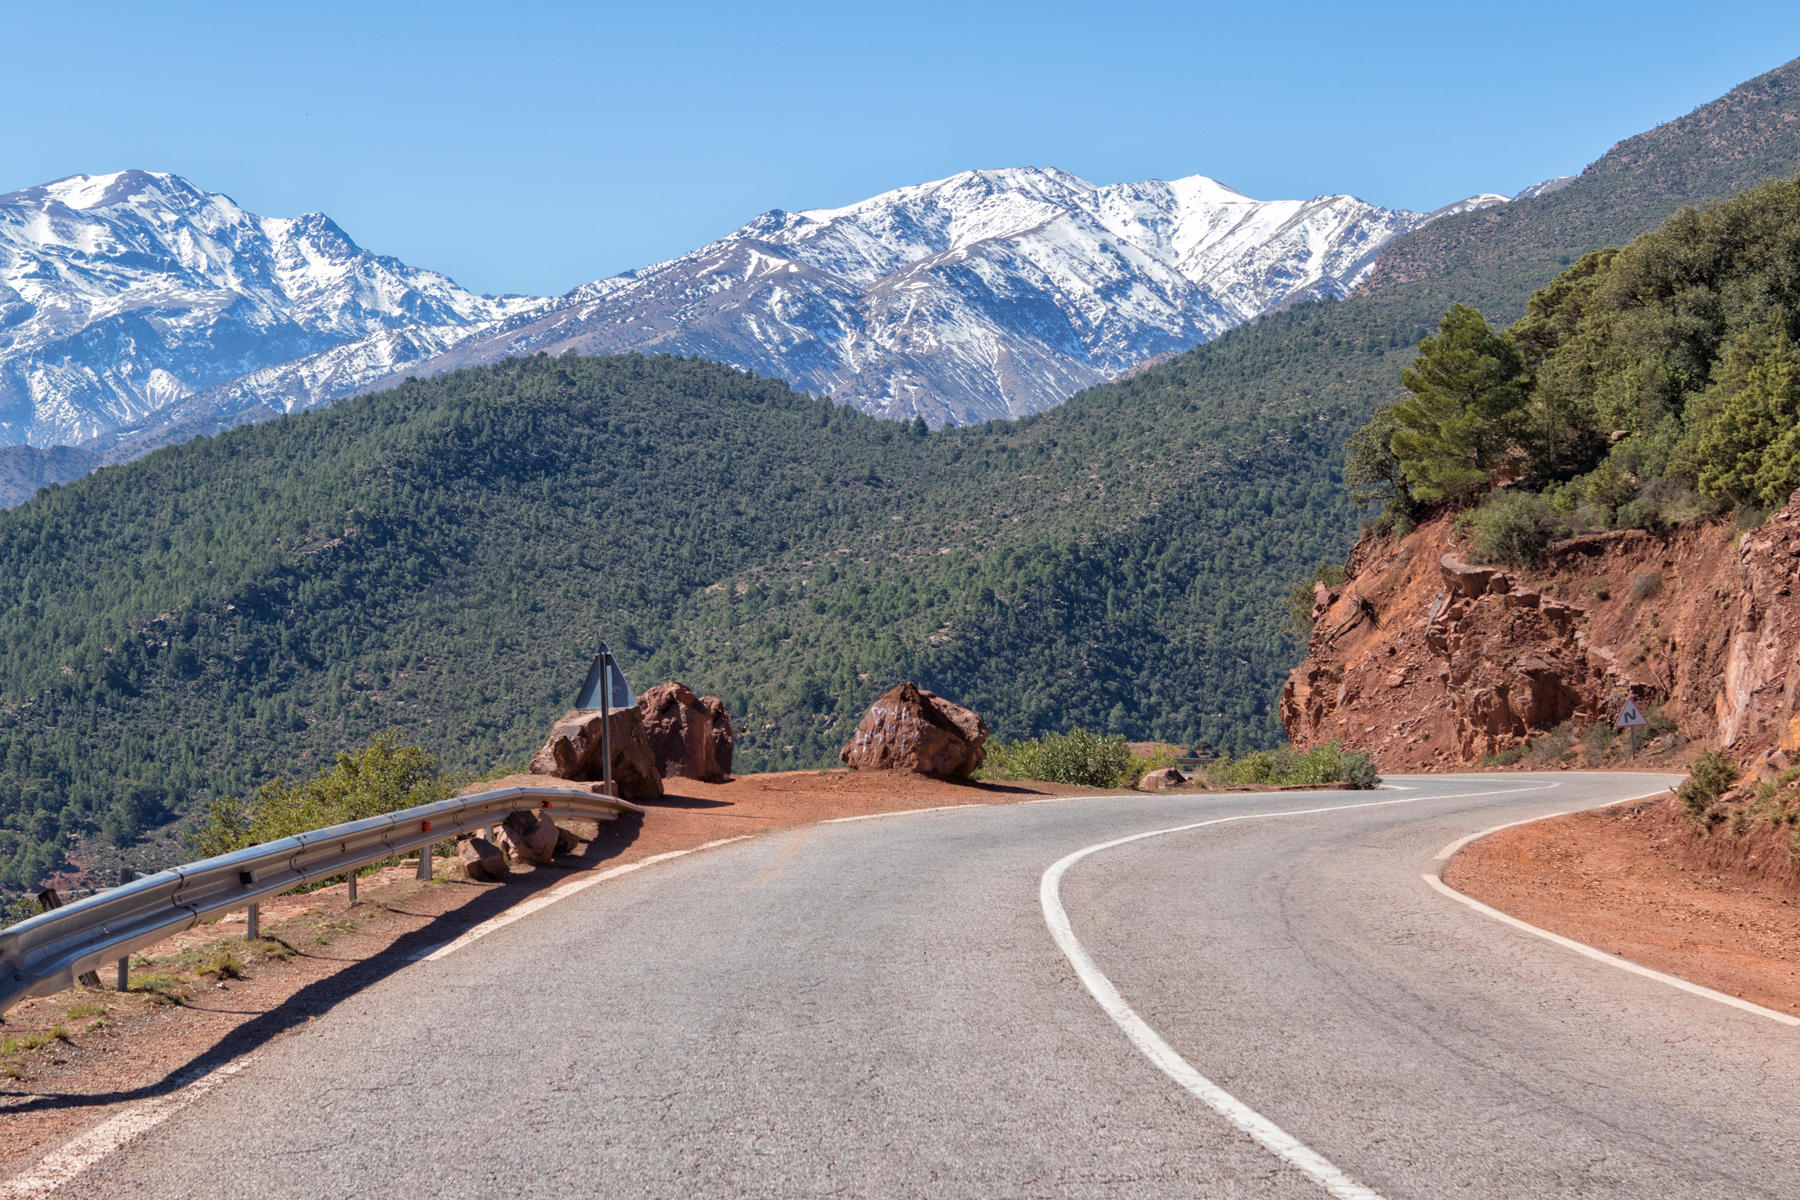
(1426, 660)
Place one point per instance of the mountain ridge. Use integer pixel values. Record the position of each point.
(136, 305)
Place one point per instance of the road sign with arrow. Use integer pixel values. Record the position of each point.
(1629, 717)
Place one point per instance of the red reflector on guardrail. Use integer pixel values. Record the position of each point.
(424, 826)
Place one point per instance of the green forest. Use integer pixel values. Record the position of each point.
(1645, 386)
(441, 559)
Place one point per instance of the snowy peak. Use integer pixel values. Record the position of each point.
(135, 303)
(122, 292)
(986, 294)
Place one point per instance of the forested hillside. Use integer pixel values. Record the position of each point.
(442, 557)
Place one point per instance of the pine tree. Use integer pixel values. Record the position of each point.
(1467, 388)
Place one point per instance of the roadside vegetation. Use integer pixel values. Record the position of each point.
(1087, 759)
(1078, 757)
(383, 777)
(1644, 387)
(1288, 767)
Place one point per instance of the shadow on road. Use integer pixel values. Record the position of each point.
(322, 995)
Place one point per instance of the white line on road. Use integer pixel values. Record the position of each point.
(902, 812)
(1449, 851)
(103, 1139)
(1611, 960)
(1435, 879)
(525, 908)
(1269, 1135)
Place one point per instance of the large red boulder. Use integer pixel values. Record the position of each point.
(910, 729)
(690, 736)
(573, 752)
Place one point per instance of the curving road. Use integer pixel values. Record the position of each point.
(878, 1008)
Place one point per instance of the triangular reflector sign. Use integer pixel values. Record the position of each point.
(619, 693)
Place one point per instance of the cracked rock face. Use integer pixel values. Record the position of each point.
(1425, 660)
(910, 729)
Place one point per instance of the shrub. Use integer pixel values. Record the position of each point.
(1077, 757)
(1512, 528)
(383, 777)
(222, 964)
(1298, 622)
(19, 909)
(1647, 585)
(1708, 779)
(1288, 767)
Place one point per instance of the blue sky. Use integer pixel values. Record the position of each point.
(534, 146)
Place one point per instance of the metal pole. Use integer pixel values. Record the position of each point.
(353, 885)
(425, 862)
(126, 875)
(606, 670)
(251, 924)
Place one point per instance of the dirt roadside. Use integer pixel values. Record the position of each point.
(102, 1049)
(1622, 879)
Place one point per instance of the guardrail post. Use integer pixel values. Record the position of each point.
(424, 862)
(353, 885)
(126, 875)
(250, 924)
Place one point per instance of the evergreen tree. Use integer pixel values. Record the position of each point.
(1466, 389)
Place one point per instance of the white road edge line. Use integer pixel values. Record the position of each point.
(903, 812)
(1150, 1043)
(1611, 960)
(1436, 880)
(112, 1134)
(543, 900)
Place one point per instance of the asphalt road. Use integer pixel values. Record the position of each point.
(878, 1008)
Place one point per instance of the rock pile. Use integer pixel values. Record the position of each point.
(910, 729)
(689, 736)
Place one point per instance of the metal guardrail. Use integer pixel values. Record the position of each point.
(46, 953)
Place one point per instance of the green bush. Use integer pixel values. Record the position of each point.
(1512, 528)
(1077, 757)
(1709, 778)
(383, 777)
(1298, 622)
(1288, 767)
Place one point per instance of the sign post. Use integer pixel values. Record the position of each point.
(1631, 719)
(605, 690)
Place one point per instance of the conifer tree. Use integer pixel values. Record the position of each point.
(1467, 388)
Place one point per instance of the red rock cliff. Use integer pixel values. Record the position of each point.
(1427, 661)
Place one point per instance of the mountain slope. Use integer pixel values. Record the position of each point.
(120, 294)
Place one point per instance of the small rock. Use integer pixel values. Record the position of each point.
(1164, 777)
(528, 836)
(482, 861)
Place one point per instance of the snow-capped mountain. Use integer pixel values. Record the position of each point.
(988, 294)
(137, 309)
(122, 294)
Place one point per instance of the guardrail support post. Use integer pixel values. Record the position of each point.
(424, 862)
(250, 924)
(353, 885)
(126, 875)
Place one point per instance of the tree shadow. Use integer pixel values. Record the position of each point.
(322, 995)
